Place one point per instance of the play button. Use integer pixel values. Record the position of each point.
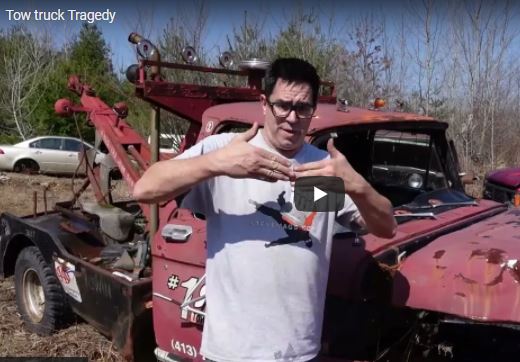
(319, 193)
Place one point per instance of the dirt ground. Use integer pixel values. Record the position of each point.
(80, 339)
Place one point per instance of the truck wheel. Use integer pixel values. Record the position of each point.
(26, 166)
(40, 298)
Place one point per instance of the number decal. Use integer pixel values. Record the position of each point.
(173, 282)
(184, 348)
(192, 307)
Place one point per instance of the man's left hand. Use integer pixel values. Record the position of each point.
(337, 165)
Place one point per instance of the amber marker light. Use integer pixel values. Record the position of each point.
(516, 199)
(379, 103)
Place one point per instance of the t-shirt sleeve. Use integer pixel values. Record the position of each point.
(199, 198)
(194, 151)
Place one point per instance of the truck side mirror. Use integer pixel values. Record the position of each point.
(468, 178)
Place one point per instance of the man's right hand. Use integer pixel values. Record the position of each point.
(239, 159)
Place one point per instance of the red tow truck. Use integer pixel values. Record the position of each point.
(136, 272)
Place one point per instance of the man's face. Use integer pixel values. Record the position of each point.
(287, 134)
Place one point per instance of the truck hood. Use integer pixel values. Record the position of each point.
(509, 177)
(472, 273)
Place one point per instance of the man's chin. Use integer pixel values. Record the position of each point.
(289, 146)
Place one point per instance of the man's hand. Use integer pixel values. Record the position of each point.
(337, 165)
(376, 211)
(239, 159)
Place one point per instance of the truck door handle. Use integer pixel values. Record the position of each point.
(176, 233)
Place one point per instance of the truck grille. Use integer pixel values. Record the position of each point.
(498, 193)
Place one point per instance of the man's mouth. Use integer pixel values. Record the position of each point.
(292, 131)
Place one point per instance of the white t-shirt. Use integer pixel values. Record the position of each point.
(266, 278)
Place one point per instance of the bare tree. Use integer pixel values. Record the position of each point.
(482, 41)
(426, 18)
(26, 64)
(366, 61)
(249, 40)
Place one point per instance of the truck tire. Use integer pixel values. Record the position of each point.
(40, 298)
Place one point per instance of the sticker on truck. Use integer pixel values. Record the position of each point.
(66, 273)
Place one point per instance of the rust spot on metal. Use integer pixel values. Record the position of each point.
(464, 279)
(438, 254)
(498, 279)
(493, 256)
(461, 294)
(72, 228)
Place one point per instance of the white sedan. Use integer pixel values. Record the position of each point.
(47, 154)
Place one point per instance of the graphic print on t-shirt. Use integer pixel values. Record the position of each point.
(295, 223)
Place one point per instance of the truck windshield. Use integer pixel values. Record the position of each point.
(399, 164)
(407, 160)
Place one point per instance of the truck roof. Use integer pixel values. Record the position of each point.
(327, 115)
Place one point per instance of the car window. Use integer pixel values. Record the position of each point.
(72, 145)
(406, 159)
(50, 143)
(232, 127)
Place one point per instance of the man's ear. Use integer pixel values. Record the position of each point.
(263, 101)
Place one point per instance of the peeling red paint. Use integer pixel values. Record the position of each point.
(493, 256)
(438, 254)
(499, 279)
(490, 293)
(465, 279)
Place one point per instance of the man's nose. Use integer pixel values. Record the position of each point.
(292, 117)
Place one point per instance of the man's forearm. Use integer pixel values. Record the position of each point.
(376, 211)
(166, 180)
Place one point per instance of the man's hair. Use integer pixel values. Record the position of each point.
(292, 70)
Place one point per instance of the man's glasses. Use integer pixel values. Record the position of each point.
(283, 109)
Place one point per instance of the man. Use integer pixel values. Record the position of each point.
(267, 263)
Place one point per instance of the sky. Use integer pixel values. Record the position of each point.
(222, 16)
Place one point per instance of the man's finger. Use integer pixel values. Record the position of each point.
(272, 157)
(272, 175)
(308, 173)
(276, 167)
(249, 134)
(310, 166)
(333, 151)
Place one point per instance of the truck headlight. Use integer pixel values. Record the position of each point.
(415, 181)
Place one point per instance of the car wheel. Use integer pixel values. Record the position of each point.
(40, 298)
(26, 166)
